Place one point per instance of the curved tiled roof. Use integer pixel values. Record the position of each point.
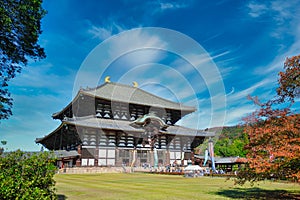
(110, 124)
(94, 122)
(129, 94)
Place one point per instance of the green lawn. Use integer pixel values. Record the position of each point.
(154, 186)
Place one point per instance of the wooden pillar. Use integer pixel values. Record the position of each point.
(78, 161)
(192, 157)
(118, 159)
(151, 157)
(167, 161)
(96, 156)
(138, 159)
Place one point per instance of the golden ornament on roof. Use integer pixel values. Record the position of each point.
(107, 79)
(135, 84)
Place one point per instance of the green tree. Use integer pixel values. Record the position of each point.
(227, 148)
(3, 143)
(239, 145)
(229, 141)
(20, 22)
(27, 176)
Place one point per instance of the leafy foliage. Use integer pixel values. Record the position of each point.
(19, 33)
(274, 133)
(289, 81)
(3, 142)
(229, 141)
(27, 176)
(227, 148)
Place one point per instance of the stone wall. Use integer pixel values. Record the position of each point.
(95, 170)
(92, 170)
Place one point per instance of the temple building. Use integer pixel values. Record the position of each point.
(115, 125)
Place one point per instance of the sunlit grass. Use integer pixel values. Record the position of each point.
(153, 186)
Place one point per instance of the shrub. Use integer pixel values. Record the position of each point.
(27, 175)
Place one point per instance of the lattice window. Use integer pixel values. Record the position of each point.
(130, 141)
(162, 142)
(111, 140)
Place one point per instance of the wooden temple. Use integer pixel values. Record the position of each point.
(116, 125)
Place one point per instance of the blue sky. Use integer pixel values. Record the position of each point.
(246, 43)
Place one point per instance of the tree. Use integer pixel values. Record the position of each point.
(289, 81)
(27, 175)
(274, 132)
(230, 148)
(229, 141)
(3, 143)
(20, 22)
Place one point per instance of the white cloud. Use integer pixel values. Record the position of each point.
(156, 7)
(256, 10)
(196, 60)
(284, 15)
(213, 114)
(235, 114)
(31, 119)
(133, 47)
(238, 96)
(293, 50)
(42, 78)
(237, 106)
(162, 80)
(277, 63)
(206, 116)
(279, 10)
(100, 32)
(285, 23)
(138, 57)
(172, 5)
(105, 31)
(226, 71)
(283, 10)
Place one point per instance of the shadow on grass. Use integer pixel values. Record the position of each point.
(257, 193)
(61, 197)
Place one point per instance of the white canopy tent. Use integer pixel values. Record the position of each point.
(193, 168)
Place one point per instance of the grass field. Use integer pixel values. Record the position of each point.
(153, 186)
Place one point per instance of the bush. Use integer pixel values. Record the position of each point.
(27, 175)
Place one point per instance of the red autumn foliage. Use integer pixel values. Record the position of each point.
(289, 80)
(274, 132)
(274, 144)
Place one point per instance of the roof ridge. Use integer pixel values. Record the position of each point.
(107, 83)
(129, 86)
(155, 101)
